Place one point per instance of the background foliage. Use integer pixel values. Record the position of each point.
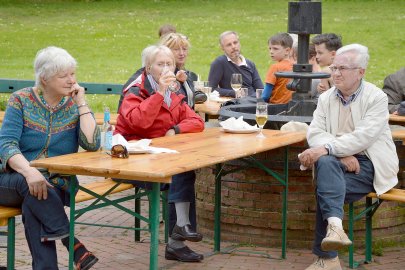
(107, 36)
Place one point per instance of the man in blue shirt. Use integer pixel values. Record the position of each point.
(231, 62)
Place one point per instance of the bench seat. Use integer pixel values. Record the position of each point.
(8, 214)
(394, 195)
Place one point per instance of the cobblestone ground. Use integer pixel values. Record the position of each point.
(116, 249)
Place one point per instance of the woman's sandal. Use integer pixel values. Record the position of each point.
(86, 261)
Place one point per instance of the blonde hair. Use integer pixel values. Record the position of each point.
(173, 40)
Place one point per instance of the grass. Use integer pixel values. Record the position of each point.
(107, 37)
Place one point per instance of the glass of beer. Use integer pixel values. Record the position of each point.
(261, 117)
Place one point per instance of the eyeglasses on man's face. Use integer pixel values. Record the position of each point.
(119, 151)
(341, 68)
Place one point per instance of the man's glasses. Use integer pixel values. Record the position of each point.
(119, 151)
(341, 69)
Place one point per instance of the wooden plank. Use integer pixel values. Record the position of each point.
(100, 187)
(7, 212)
(195, 150)
(395, 194)
(397, 120)
(399, 134)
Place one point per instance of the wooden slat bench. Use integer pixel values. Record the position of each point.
(8, 214)
(372, 204)
(11, 85)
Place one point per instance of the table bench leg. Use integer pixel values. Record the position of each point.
(154, 201)
(285, 206)
(73, 187)
(10, 243)
(137, 220)
(217, 209)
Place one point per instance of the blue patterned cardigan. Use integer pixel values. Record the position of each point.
(33, 131)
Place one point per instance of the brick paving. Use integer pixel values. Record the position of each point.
(116, 249)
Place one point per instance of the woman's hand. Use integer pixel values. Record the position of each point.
(37, 184)
(181, 76)
(77, 93)
(321, 88)
(166, 78)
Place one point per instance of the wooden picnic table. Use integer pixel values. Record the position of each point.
(397, 120)
(195, 150)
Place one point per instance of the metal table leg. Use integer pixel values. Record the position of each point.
(154, 201)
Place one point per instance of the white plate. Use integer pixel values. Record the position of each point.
(240, 131)
(139, 151)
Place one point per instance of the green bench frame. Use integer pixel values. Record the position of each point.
(100, 201)
(395, 195)
(11, 85)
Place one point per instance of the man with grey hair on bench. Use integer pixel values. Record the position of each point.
(351, 149)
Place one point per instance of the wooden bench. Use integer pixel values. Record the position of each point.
(11, 85)
(8, 214)
(372, 204)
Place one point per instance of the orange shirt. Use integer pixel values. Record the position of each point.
(280, 93)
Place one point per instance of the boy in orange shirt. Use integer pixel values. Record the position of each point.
(275, 90)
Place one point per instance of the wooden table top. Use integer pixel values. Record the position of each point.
(196, 150)
(396, 119)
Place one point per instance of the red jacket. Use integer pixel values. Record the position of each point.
(144, 115)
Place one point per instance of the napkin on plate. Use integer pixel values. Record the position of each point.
(236, 124)
(141, 146)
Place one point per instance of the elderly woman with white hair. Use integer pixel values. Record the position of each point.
(179, 44)
(36, 121)
(151, 110)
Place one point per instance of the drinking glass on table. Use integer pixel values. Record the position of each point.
(259, 93)
(261, 117)
(243, 92)
(207, 89)
(236, 82)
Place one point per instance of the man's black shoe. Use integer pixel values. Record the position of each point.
(185, 233)
(184, 254)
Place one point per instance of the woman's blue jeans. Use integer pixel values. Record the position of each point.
(41, 218)
(334, 188)
(181, 189)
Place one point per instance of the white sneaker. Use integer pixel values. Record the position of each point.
(325, 264)
(335, 239)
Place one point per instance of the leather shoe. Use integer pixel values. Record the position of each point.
(185, 233)
(184, 254)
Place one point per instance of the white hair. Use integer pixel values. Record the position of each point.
(361, 54)
(154, 51)
(145, 54)
(50, 61)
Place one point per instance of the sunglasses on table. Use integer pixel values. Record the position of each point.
(119, 151)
